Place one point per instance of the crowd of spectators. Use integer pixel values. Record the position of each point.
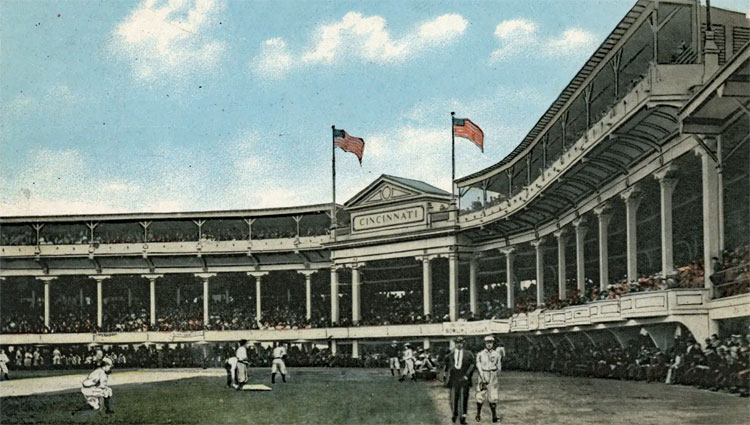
(732, 274)
(78, 356)
(134, 233)
(723, 364)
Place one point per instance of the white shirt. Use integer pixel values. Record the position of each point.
(459, 358)
(241, 353)
(408, 354)
(279, 352)
(4, 358)
(489, 360)
(97, 378)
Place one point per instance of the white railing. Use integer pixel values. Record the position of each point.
(631, 306)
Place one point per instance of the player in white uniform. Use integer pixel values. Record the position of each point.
(56, 358)
(231, 367)
(277, 365)
(242, 364)
(489, 364)
(95, 388)
(4, 360)
(408, 359)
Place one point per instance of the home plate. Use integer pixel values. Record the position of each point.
(255, 387)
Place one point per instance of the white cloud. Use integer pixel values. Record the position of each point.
(274, 59)
(169, 39)
(572, 41)
(366, 38)
(520, 37)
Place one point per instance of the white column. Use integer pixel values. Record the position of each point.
(334, 298)
(632, 197)
(453, 287)
(710, 191)
(426, 343)
(356, 299)
(47, 280)
(667, 184)
(427, 285)
(152, 295)
(604, 214)
(355, 349)
(580, 227)
(561, 269)
(333, 344)
(99, 298)
(308, 292)
(509, 276)
(258, 307)
(206, 294)
(473, 269)
(537, 244)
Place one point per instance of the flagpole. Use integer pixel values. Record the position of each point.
(453, 161)
(333, 165)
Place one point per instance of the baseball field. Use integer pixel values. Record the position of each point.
(359, 396)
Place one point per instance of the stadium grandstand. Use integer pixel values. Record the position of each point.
(621, 218)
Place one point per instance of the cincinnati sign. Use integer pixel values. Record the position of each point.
(388, 218)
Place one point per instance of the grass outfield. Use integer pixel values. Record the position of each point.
(338, 396)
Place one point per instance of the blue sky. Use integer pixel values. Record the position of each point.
(117, 106)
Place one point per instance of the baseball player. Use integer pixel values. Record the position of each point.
(231, 367)
(277, 365)
(4, 360)
(242, 364)
(96, 390)
(489, 362)
(393, 359)
(408, 359)
(56, 358)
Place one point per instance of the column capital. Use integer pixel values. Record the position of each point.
(603, 210)
(46, 278)
(561, 233)
(426, 258)
(152, 276)
(537, 243)
(100, 277)
(257, 275)
(580, 222)
(631, 194)
(307, 273)
(668, 171)
(508, 250)
(205, 276)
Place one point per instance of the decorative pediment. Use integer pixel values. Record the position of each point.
(391, 189)
(385, 192)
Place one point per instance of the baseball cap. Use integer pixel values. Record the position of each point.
(460, 339)
(106, 361)
(489, 338)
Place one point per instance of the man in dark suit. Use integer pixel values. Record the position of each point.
(460, 364)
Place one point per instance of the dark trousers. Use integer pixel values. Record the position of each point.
(456, 394)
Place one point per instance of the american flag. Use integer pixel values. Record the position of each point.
(355, 145)
(463, 127)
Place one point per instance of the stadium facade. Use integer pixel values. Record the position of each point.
(641, 167)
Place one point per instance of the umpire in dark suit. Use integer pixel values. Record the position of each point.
(460, 364)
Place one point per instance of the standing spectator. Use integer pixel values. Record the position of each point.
(460, 365)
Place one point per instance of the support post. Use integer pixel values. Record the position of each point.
(632, 197)
(152, 295)
(334, 297)
(206, 294)
(509, 276)
(537, 244)
(710, 195)
(667, 184)
(308, 292)
(581, 228)
(473, 270)
(561, 269)
(355, 349)
(427, 285)
(453, 287)
(99, 297)
(604, 214)
(356, 299)
(258, 280)
(47, 280)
